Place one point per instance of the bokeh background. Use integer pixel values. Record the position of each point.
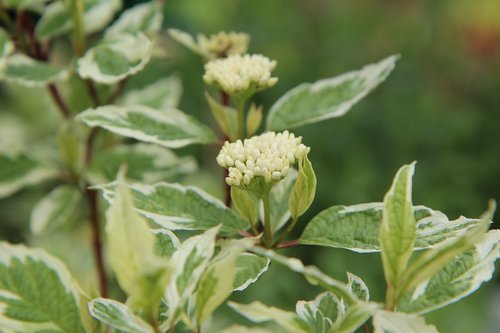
(441, 107)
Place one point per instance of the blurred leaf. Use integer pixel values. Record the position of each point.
(216, 283)
(146, 18)
(18, 170)
(116, 58)
(56, 21)
(356, 227)
(244, 329)
(457, 279)
(389, 322)
(162, 94)
(131, 246)
(23, 70)
(169, 128)
(358, 287)
(254, 119)
(188, 264)
(258, 312)
(6, 45)
(166, 242)
(304, 189)
(118, 316)
(55, 209)
(145, 162)
(355, 316)
(431, 261)
(328, 98)
(37, 291)
(245, 203)
(249, 267)
(225, 116)
(278, 200)
(186, 40)
(34, 5)
(312, 317)
(397, 230)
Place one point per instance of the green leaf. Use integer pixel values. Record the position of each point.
(254, 119)
(329, 98)
(312, 316)
(37, 293)
(457, 279)
(118, 316)
(131, 246)
(216, 284)
(162, 94)
(355, 316)
(258, 312)
(431, 261)
(312, 274)
(18, 170)
(6, 44)
(304, 189)
(225, 116)
(398, 228)
(186, 40)
(278, 200)
(33, 5)
(393, 322)
(25, 71)
(246, 204)
(56, 21)
(146, 18)
(55, 209)
(166, 243)
(189, 263)
(145, 162)
(116, 58)
(249, 267)
(244, 329)
(175, 207)
(358, 287)
(169, 128)
(357, 227)
(330, 306)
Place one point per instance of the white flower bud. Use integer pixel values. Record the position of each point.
(238, 74)
(269, 156)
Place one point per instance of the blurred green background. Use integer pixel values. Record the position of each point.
(441, 107)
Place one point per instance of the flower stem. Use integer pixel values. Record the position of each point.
(240, 108)
(285, 233)
(268, 236)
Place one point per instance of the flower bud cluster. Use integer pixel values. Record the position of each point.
(239, 74)
(269, 156)
(223, 44)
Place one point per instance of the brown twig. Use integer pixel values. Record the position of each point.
(93, 203)
(56, 97)
(288, 244)
(91, 88)
(117, 91)
(224, 99)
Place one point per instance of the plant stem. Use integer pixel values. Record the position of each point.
(94, 217)
(56, 97)
(268, 236)
(240, 108)
(389, 298)
(224, 99)
(285, 233)
(92, 92)
(118, 89)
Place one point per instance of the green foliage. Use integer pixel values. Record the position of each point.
(329, 98)
(37, 292)
(169, 128)
(176, 252)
